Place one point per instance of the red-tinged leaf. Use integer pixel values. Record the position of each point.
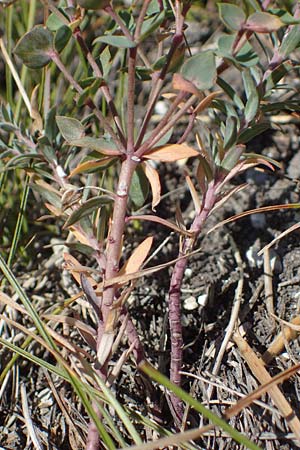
(92, 164)
(283, 234)
(224, 197)
(263, 209)
(171, 153)
(194, 194)
(55, 211)
(138, 256)
(99, 145)
(163, 222)
(154, 181)
(247, 163)
(180, 84)
(206, 102)
(201, 177)
(263, 22)
(75, 268)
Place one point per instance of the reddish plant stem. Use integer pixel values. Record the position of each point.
(175, 298)
(131, 99)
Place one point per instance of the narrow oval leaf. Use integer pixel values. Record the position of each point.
(139, 188)
(150, 25)
(263, 22)
(154, 181)
(163, 222)
(171, 153)
(253, 131)
(35, 47)
(87, 208)
(70, 128)
(231, 15)
(232, 156)
(99, 145)
(116, 41)
(92, 165)
(290, 41)
(93, 4)
(201, 70)
(62, 37)
(251, 106)
(138, 256)
(230, 132)
(181, 84)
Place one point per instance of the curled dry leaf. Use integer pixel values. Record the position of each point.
(181, 84)
(171, 153)
(138, 256)
(154, 181)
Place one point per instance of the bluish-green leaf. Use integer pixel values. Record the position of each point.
(230, 132)
(201, 70)
(93, 4)
(70, 128)
(231, 157)
(150, 25)
(116, 41)
(253, 131)
(139, 188)
(230, 92)
(87, 208)
(290, 41)
(251, 107)
(35, 47)
(62, 37)
(231, 15)
(246, 56)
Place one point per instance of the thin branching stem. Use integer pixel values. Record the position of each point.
(104, 122)
(175, 297)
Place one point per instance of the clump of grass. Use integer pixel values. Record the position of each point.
(91, 153)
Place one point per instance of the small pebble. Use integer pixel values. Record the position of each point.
(190, 303)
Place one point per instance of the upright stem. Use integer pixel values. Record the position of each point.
(175, 298)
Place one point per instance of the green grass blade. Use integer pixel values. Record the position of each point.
(216, 420)
(26, 302)
(120, 411)
(20, 220)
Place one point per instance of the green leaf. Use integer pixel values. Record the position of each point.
(139, 188)
(102, 146)
(290, 41)
(253, 131)
(277, 74)
(252, 103)
(230, 132)
(232, 16)
(51, 129)
(263, 22)
(91, 86)
(70, 128)
(54, 22)
(48, 195)
(93, 4)
(285, 16)
(105, 60)
(246, 56)
(230, 92)
(116, 41)
(231, 157)
(251, 106)
(201, 70)
(35, 47)
(62, 37)
(87, 208)
(150, 25)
